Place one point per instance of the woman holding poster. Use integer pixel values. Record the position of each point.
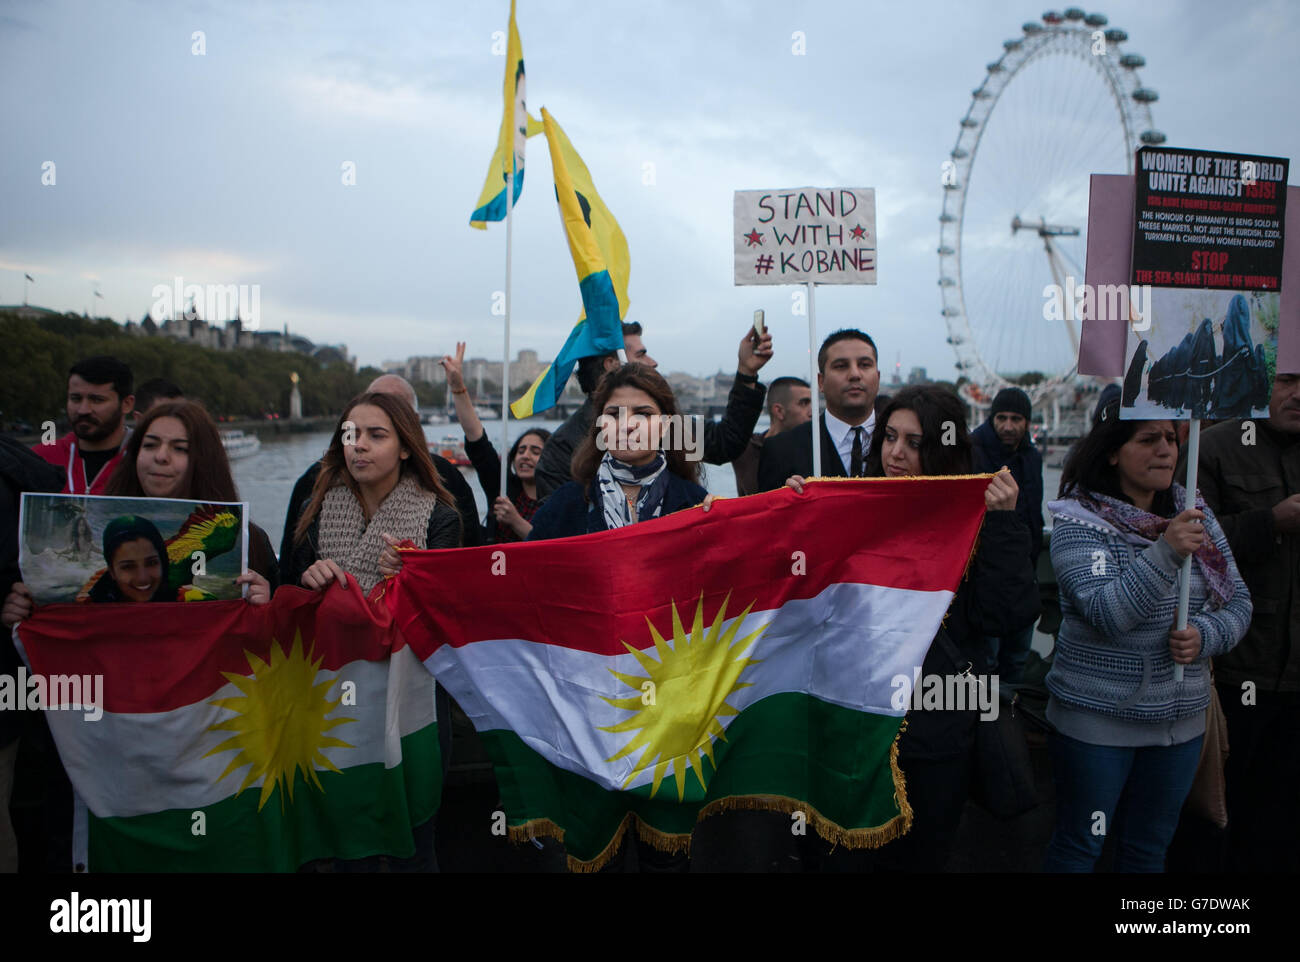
(176, 452)
(1128, 735)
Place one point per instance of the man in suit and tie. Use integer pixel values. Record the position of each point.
(848, 376)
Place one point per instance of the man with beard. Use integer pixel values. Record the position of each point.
(1003, 440)
(100, 396)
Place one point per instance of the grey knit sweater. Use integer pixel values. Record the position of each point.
(1112, 680)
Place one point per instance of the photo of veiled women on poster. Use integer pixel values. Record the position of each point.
(1208, 354)
(88, 548)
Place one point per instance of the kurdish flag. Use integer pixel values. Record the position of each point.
(751, 657)
(601, 258)
(507, 164)
(241, 738)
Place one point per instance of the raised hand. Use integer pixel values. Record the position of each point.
(455, 368)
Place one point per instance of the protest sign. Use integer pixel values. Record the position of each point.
(805, 235)
(1110, 250)
(1208, 241)
(76, 547)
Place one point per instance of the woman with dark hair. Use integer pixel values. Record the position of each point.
(176, 452)
(136, 556)
(377, 487)
(1128, 734)
(622, 474)
(925, 433)
(510, 515)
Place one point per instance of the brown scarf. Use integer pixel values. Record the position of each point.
(346, 538)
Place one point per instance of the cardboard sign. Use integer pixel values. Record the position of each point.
(826, 235)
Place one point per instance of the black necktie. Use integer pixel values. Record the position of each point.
(855, 457)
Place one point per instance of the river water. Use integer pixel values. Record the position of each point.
(266, 479)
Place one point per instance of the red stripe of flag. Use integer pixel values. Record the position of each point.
(159, 657)
(594, 592)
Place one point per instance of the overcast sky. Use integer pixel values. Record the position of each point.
(225, 168)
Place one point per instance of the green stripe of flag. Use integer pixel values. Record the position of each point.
(830, 762)
(355, 813)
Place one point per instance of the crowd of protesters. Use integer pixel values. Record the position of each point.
(1128, 693)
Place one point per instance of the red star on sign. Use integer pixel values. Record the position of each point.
(858, 232)
(754, 237)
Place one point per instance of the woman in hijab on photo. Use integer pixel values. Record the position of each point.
(1133, 379)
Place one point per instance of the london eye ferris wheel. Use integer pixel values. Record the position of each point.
(1062, 102)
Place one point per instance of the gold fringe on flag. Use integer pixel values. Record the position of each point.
(679, 842)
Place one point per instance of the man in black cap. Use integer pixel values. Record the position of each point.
(1004, 440)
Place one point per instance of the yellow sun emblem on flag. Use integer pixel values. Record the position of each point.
(280, 721)
(682, 695)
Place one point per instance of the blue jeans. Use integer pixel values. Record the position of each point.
(1138, 791)
(1007, 656)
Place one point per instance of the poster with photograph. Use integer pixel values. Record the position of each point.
(79, 548)
(1211, 356)
(1208, 246)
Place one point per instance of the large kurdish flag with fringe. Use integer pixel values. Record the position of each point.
(647, 677)
(237, 737)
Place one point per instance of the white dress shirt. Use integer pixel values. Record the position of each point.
(842, 435)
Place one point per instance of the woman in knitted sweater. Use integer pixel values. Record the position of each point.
(1128, 735)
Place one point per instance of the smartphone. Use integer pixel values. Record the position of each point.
(759, 330)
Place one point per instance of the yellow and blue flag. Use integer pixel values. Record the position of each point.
(516, 126)
(601, 259)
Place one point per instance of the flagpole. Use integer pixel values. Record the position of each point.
(1185, 580)
(812, 381)
(505, 367)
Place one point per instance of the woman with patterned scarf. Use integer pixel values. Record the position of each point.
(377, 487)
(1128, 735)
(620, 474)
(624, 474)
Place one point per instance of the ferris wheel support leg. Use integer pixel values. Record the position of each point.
(812, 381)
